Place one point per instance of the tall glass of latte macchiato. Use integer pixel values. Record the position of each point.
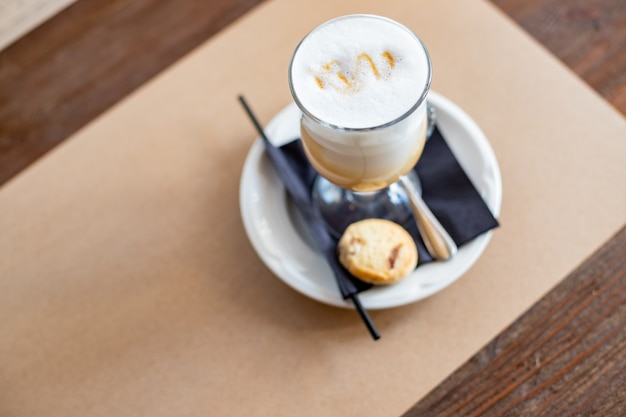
(361, 82)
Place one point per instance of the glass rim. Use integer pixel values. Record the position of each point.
(421, 98)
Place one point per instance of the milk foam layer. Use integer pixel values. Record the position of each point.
(359, 71)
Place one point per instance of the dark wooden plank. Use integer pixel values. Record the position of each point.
(566, 356)
(62, 75)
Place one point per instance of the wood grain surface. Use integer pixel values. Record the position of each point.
(566, 356)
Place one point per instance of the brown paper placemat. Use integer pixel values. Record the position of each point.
(128, 286)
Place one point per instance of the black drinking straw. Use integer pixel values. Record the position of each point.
(301, 198)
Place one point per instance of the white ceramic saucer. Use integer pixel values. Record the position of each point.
(280, 238)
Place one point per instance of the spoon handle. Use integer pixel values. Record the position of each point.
(438, 242)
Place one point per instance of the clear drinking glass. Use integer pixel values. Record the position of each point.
(361, 162)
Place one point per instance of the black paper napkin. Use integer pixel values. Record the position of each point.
(446, 189)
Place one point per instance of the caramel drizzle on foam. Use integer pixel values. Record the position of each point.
(326, 75)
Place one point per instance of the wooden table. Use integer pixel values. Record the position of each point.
(565, 356)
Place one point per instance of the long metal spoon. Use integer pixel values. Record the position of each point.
(437, 240)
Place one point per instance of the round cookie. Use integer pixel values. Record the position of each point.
(377, 251)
